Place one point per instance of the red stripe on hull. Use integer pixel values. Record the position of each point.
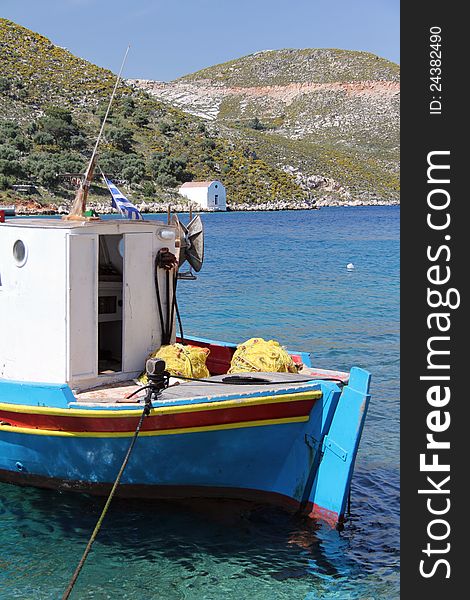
(203, 418)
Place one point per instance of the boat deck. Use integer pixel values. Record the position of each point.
(190, 390)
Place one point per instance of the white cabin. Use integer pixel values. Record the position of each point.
(78, 300)
(208, 194)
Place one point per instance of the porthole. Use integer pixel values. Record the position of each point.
(20, 253)
(166, 234)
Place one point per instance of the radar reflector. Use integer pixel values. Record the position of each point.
(191, 242)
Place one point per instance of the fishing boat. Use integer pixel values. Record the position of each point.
(87, 301)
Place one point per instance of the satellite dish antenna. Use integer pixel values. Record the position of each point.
(191, 245)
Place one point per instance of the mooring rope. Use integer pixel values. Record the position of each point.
(145, 412)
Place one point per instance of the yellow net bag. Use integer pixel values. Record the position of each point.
(258, 355)
(182, 361)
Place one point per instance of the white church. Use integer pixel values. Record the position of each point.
(208, 194)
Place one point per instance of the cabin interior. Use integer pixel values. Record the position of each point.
(110, 282)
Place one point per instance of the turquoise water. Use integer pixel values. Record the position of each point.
(277, 275)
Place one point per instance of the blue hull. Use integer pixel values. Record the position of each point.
(269, 459)
(301, 462)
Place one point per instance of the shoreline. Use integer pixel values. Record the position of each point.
(36, 209)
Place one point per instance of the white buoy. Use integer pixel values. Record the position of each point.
(350, 266)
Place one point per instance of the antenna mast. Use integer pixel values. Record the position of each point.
(79, 204)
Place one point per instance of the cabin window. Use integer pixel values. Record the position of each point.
(20, 253)
(216, 199)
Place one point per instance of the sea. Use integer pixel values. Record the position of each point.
(281, 276)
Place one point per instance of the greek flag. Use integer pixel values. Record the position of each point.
(126, 208)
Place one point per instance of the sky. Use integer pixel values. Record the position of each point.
(171, 38)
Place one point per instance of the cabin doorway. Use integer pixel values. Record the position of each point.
(110, 324)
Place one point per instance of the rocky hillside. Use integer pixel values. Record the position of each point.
(277, 126)
(51, 107)
(328, 117)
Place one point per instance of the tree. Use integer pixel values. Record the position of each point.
(31, 128)
(148, 189)
(8, 152)
(78, 142)
(167, 127)
(168, 171)
(5, 84)
(57, 112)
(112, 162)
(48, 174)
(121, 137)
(141, 118)
(70, 162)
(208, 144)
(11, 168)
(133, 170)
(5, 182)
(44, 167)
(57, 123)
(127, 105)
(43, 138)
(11, 134)
(255, 123)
